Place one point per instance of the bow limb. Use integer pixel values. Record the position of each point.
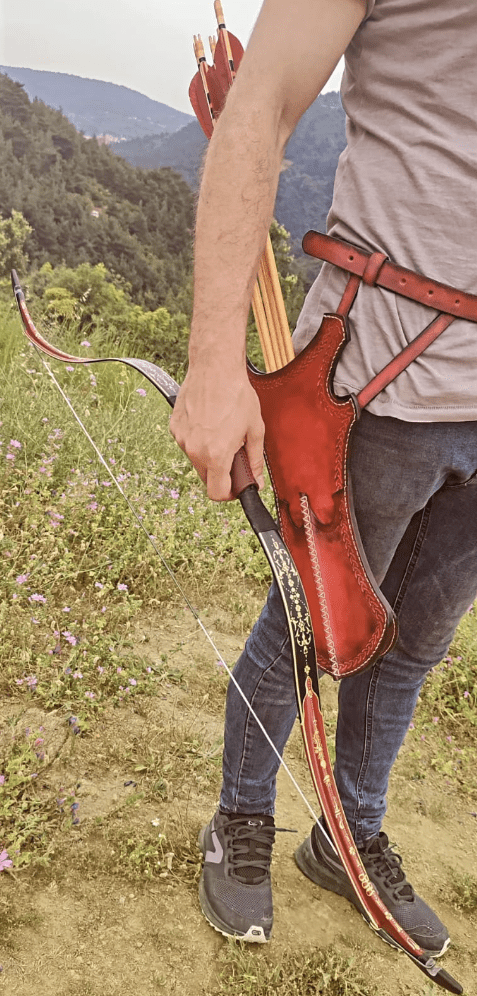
(302, 645)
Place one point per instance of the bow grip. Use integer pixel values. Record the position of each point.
(241, 473)
(245, 488)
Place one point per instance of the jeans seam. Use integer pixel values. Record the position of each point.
(407, 575)
(366, 746)
(250, 717)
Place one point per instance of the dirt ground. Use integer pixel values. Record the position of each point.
(75, 928)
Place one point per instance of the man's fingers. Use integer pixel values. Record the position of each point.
(219, 485)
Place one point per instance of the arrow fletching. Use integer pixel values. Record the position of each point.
(200, 104)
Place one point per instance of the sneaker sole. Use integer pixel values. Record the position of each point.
(306, 862)
(254, 934)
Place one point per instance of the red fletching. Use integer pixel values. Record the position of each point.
(221, 58)
(216, 91)
(237, 50)
(200, 104)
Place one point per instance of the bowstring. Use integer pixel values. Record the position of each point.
(177, 583)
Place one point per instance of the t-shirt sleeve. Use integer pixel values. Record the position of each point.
(369, 7)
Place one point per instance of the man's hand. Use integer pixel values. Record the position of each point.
(215, 414)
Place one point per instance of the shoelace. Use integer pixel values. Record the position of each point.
(251, 849)
(387, 866)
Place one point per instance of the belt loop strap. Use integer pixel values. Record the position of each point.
(372, 268)
(349, 295)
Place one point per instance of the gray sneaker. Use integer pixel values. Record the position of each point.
(318, 860)
(235, 889)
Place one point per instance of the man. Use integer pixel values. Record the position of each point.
(405, 186)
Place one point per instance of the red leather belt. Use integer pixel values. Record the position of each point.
(375, 269)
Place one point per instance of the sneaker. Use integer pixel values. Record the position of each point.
(235, 889)
(317, 859)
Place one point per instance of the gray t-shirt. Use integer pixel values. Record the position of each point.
(406, 185)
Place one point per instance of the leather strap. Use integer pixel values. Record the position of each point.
(403, 359)
(376, 270)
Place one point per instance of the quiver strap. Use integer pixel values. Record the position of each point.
(307, 433)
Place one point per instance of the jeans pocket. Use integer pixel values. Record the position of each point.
(451, 484)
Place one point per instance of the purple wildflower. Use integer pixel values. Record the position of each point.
(5, 860)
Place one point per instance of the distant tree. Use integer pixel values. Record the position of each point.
(88, 301)
(14, 100)
(14, 232)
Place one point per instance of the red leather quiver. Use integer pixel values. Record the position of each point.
(307, 433)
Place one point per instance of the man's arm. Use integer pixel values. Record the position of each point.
(291, 54)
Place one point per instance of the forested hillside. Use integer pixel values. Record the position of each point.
(305, 190)
(85, 205)
(182, 151)
(306, 183)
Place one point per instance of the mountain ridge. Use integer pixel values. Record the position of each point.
(96, 107)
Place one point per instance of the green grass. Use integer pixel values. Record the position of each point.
(305, 973)
(462, 892)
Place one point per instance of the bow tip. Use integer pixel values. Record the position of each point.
(17, 290)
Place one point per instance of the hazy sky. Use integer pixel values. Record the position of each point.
(143, 44)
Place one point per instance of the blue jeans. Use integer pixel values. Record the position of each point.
(415, 496)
